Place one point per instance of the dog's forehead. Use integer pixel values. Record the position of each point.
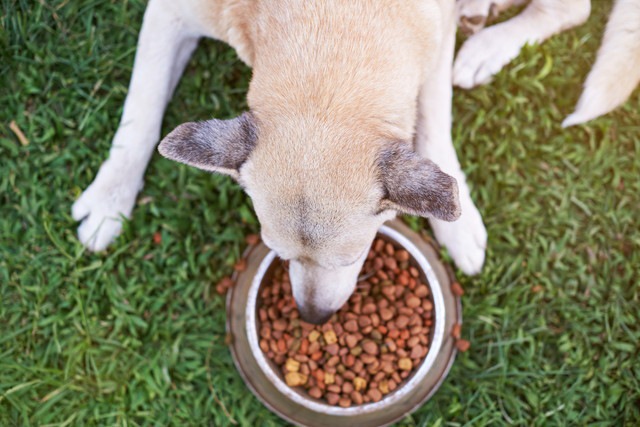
(307, 223)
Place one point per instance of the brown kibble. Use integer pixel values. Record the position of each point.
(369, 308)
(374, 394)
(402, 255)
(391, 264)
(402, 321)
(345, 402)
(351, 326)
(240, 265)
(301, 358)
(280, 325)
(351, 340)
(356, 397)
(370, 347)
(332, 349)
(416, 352)
(314, 347)
(386, 314)
(252, 239)
(349, 375)
(333, 361)
(457, 289)
(364, 321)
(412, 301)
(405, 364)
(334, 388)
(463, 345)
(223, 285)
(356, 351)
(422, 291)
(315, 392)
(367, 358)
(350, 360)
(332, 398)
(456, 331)
(389, 249)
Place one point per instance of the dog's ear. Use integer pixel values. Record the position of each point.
(415, 185)
(220, 146)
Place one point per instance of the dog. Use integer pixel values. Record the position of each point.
(349, 123)
(610, 82)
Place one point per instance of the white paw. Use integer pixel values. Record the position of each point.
(102, 205)
(473, 14)
(483, 55)
(465, 239)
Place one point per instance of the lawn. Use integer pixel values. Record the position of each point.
(135, 336)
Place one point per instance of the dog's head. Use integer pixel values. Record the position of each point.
(320, 193)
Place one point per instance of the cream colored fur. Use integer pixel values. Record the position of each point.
(334, 82)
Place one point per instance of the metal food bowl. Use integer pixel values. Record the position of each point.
(266, 381)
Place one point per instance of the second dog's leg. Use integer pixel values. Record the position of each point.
(164, 47)
(484, 54)
(465, 238)
(617, 70)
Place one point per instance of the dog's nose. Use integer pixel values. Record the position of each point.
(314, 315)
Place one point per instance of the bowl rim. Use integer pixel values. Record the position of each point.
(391, 398)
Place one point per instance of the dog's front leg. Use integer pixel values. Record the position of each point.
(164, 47)
(465, 238)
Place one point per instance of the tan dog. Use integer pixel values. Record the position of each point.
(340, 91)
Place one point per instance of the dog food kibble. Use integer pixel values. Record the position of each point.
(368, 348)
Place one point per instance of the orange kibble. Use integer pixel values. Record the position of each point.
(463, 345)
(457, 289)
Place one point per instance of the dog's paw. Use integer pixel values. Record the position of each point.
(102, 205)
(483, 55)
(473, 14)
(465, 239)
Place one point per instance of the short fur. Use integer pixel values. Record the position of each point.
(338, 91)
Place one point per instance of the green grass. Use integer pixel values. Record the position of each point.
(135, 336)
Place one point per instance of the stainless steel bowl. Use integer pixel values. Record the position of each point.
(266, 381)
